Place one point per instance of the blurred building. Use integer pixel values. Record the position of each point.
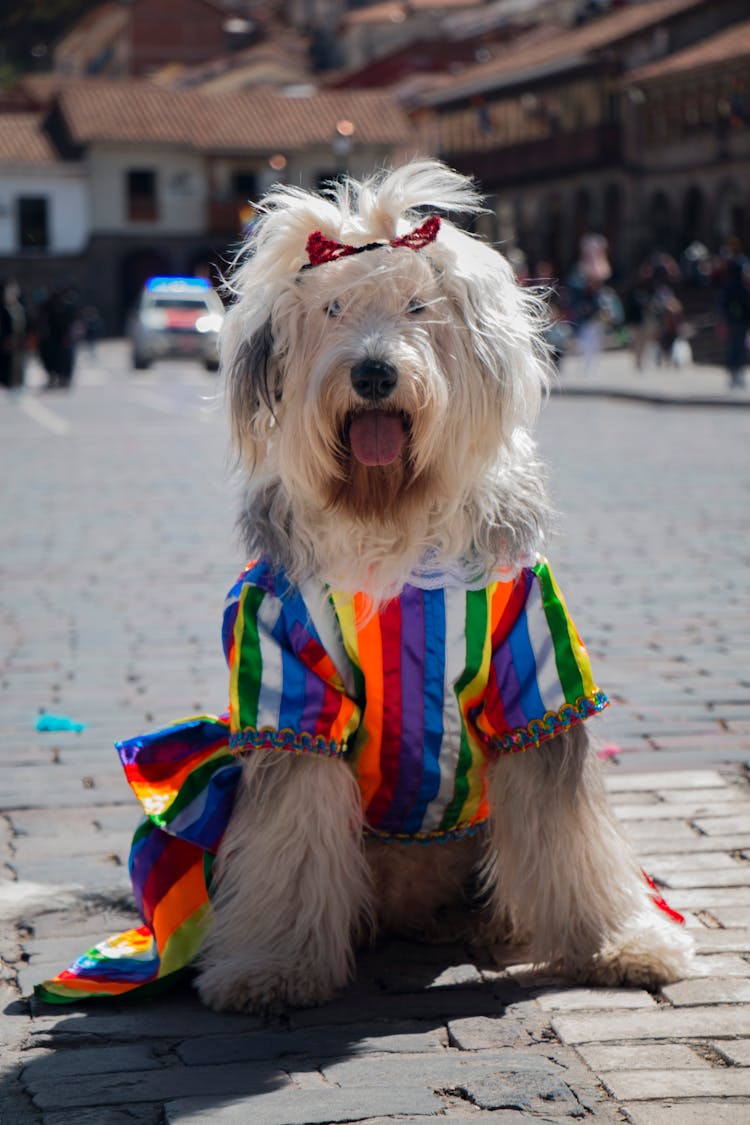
(112, 182)
(633, 124)
(628, 117)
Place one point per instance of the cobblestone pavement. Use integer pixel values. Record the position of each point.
(117, 548)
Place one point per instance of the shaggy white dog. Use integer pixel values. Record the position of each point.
(384, 371)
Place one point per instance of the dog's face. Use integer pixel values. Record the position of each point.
(376, 393)
(377, 390)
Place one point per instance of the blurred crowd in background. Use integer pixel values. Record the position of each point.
(590, 310)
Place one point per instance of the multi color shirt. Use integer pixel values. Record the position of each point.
(417, 697)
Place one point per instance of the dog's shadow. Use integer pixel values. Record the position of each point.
(170, 1058)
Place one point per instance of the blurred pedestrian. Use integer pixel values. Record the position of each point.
(59, 332)
(592, 305)
(12, 336)
(668, 315)
(639, 316)
(91, 324)
(557, 331)
(734, 303)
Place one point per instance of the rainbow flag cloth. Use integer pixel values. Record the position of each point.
(417, 697)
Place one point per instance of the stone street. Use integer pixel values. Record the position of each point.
(118, 547)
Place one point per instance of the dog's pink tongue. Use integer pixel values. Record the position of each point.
(376, 437)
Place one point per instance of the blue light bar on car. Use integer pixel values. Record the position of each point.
(178, 283)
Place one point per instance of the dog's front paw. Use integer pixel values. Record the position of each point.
(645, 960)
(227, 988)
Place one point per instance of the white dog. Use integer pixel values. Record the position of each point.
(400, 634)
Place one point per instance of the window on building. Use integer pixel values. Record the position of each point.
(33, 223)
(244, 186)
(141, 196)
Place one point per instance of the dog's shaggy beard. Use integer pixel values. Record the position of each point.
(370, 522)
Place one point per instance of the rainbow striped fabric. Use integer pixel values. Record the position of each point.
(417, 697)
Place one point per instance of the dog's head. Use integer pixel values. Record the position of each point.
(382, 366)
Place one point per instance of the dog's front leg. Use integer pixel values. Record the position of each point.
(560, 868)
(292, 886)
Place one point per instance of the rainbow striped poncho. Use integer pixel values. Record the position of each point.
(416, 697)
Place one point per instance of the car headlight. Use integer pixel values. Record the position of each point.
(209, 323)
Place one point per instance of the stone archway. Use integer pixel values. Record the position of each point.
(661, 223)
(693, 216)
(731, 213)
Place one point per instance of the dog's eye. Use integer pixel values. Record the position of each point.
(415, 307)
(334, 309)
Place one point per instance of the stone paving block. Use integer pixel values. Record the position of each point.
(591, 999)
(706, 898)
(722, 825)
(693, 862)
(736, 1052)
(496, 1117)
(722, 965)
(689, 843)
(520, 1091)
(48, 1066)
(711, 991)
(688, 1113)
(289, 1105)
(88, 842)
(314, 1043)
(482, 1032)
(85, 928)
(655, 1056)
(679, 880)
(23, 789)
(646, 1085)
(721, 1021)
(97, 874)
(672, 831)
(243, 1080)
(732, 813)
(104, 1115)
(445, 1070)
(71, 822)
(715, 940)
(732, 917)
(111, 1022)
(680, 779)
(621, 800)
(710, 797)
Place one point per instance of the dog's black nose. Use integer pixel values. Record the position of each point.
(374, 378)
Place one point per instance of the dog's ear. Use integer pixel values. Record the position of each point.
(504, 323)
(253, 385)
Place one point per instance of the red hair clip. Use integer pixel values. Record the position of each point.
(321, 249)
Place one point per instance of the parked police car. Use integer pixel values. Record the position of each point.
(175, 317)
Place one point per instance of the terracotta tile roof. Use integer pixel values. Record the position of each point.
(264, 120)
(93, 32)
(101, 110)
(733, 43)
(22, 140)
(251, 120)
(519, 64)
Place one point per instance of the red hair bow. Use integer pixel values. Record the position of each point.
(321, 249)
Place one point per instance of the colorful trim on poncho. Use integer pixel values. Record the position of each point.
(416, 697)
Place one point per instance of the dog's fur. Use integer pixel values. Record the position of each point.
(298, 887)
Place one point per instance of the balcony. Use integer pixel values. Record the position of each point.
(555, 154)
